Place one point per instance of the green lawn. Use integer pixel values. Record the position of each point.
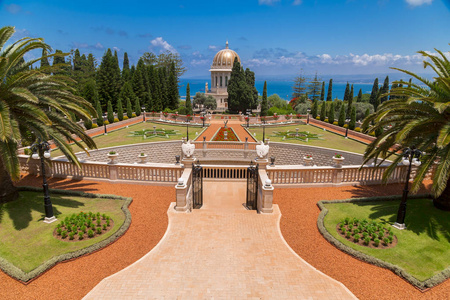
(27, 242)
(423, 249)
(123, 136)
(327, 139)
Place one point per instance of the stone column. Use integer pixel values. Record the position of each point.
(265, 192)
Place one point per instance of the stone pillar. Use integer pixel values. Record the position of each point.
(112, 172)
(265, 192)
(337, 175)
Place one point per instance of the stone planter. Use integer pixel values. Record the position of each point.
(307, 160)
(112, 157)
(338, 161)
(142, 158)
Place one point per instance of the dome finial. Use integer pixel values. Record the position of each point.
(226, 45)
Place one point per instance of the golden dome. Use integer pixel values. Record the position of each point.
(224, 59)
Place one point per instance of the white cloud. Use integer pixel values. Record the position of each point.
(212, 47)
(267, 2)
(116, 48)
(98, 46)
(297, 2)
(13, 8)
(418, 2)
(200, 62)
(256, 62)
(159, 42)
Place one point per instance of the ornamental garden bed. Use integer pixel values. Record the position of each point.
(420, 254)
(220, 135)
(83, 226)
(28, 246)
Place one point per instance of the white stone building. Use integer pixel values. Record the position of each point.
(220, 74)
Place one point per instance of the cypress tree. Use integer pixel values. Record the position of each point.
(323, 111)
(99, 113)
(163, 102)
(359, 99)
(119, 109)
(44, 59)
(110, 113)
(385, 90)
(322, 92)
(341, 120)
(366, 114)
(252, 98)
(126, 68)
(77, 61)
(331, 113)
(129, 109)
(172, 88)
(90, 64)
(347, 91)
(373, 95)
(315, 109)
(330, 91)
(189, 110)
(90, 92)
(108, 79)
(350, 102)
(352, 123)
(137, 107)
(378, 100)
(137, 83)
(264, 106)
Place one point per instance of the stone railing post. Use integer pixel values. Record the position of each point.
(183, 186)
(112, 172)
(246, 144)
(265, 193)
(337, 175)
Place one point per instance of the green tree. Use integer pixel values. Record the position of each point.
(137, 107)
(352, 123)
(110, 113)
(350, 102)
(119, 109)
(341, 120)
(315, 109)
(172, 88)
(90, 92)
(98, 108)
(126, 68)
(314, 87)
(322, 92)
(359, 99)
(347, 92)
(129, 109)
(189, 110)
(330, 112)
(240, 94)
(44, 59)
(26, 95)
(210, 102)
(108, 80)
(385, 90)
(264, 107)
(299, 85)
(374, 94)
(330, 91)
(250, 80)
(323, 111)
(419, 117)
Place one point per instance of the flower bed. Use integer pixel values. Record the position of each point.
(83, 226)
(220, 136)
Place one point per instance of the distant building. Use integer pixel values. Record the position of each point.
(220, 74)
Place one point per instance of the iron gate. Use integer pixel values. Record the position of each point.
(252, 186)
(197, 186)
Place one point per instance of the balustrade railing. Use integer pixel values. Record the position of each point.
(224, 172)
(225, 145)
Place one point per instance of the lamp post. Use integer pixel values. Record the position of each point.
(187, 129)
(346, 129)
(248, 121)
(143, 115)
(308, 111)
(104, 125)
(42, 150)
(410, 156)
(264, 131)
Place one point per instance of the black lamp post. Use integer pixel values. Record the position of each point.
(248, 121)
(42, 150)
(104, 125)
(143, 115)
(187, 129)
(264, 131)
(308, 111)
(410, 156)
(346, 129)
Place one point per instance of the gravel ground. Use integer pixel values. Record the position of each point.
(366, 281)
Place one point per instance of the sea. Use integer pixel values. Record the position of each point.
(282, 88)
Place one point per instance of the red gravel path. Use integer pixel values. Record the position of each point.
(74, 279)
(366, 281)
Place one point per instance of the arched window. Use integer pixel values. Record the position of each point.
(216, 80)
(226, 80)
(220, 80)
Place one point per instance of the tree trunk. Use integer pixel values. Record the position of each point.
(8, 192)
(443, 201)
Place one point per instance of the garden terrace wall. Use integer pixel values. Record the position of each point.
(340, 129)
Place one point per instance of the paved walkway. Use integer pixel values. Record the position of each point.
(216, 124)
(221, 251)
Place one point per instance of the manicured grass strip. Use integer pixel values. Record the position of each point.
(27, 246)
(327, 139)
(423, 250)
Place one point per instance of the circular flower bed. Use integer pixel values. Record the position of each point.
(83, 226)
(367, 233)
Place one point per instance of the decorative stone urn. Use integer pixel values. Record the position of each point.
(112, 156)
(143, 158)
(338, 161)
(307, 160)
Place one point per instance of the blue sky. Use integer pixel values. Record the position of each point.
(272, 37)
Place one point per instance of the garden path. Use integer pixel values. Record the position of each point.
(221, 251)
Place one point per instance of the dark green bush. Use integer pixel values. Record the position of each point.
(64, 234)
(71, 235)
(386, 241)
(376, 242)
(80, 235)
(356, 237)
(90, 233)
(99, 230)
(349, 234)
(366, 241)
(58, 231)
(104, 226)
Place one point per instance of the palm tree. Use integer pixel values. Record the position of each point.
(419, 115)
(34, 105)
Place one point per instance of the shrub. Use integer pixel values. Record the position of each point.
(346, 221)
(87, 124)
(83, 228)
(380, 234)
(133, 115)
(374, 236)
(349, 234)
(58, 231)
(365, 235)
(58, 226)
(69, 229)
(107, 223)
(91, 233)
(116, 120)
(125, 117)
(356, 231)
(372, 133)
(106, 122)
(64, 234)
(345, 125)
(80, 235)
(358, 129)
(104, 226)
(366, 240)
(376, 242)
(356, 237)
(386, 241)
(344, 231)
(317, 118)
(335, 123)
(71, 235)
(98, 222)
(355, 220)
(390, 239)
(326, 120)
(99, 230)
